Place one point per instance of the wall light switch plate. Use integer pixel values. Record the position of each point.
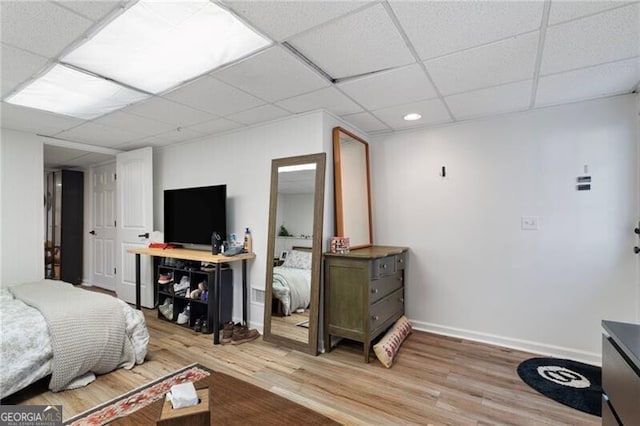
(530, 223)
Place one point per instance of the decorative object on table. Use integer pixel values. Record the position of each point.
(283, 232)
(339, 245)
(387, 348)
(197, 414)
(568, 382)
(138, 398)
(248, 241)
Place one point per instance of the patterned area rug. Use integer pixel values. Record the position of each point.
(138, 398)
(569, 382)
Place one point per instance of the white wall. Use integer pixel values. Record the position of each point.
(242, 161)
(472, 271)
(21, 201)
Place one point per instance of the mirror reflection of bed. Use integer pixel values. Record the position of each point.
(292, 289)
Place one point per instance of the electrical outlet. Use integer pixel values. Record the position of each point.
(530, 223)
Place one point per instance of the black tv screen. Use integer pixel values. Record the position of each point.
(191, 215)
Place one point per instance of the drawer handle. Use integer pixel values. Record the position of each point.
(400, 278)
(375, 317)
(401, 260)
(383, 266)
(401, 299)
(374, 291)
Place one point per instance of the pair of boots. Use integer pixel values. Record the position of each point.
(238, 333)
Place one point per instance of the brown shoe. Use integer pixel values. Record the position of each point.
(244, 334)
(227, 332)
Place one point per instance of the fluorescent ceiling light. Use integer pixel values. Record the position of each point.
(297, 167)
(412, 117)
(70, 92)
(156, 45)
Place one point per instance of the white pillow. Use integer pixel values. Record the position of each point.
(298, 259)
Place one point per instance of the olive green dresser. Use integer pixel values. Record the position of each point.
(363, 293)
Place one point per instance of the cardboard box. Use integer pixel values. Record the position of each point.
(196, 415)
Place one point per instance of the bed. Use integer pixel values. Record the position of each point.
(292, 281)
(53, 328)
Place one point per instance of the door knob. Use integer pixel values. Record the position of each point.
(145, 235)
(93, 232)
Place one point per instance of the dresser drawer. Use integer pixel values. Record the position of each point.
(385, 309)
(383, 266)
(383, 286)
(621, 383)
(401, 261)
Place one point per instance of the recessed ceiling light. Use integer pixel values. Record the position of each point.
(66, 91)
(412, 117)
(156, 45)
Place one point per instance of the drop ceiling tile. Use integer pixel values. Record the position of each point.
(180, 135)
(60, 157)
(259, 115)
(36, 121)
(57, 155)
(492, 64)
(40, 27)
(605, 37)
(494, 100)
(89, 159)
(282, 19)
(19, 65)
(97, 134)
(134, 123)
(214, 96)
(438, 28)
(168, 112)
(432, 111)
(566, 10)
(144, 142)
(603, 80)
(7, 86)
(389, 88)
(218, 125)
(365, 122)
(94, 10)
(329, 99)
(362, 42)
(272, 75)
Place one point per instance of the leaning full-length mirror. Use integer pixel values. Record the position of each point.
(352, 188)
(292, 290)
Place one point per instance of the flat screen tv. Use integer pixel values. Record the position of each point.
(191, 215)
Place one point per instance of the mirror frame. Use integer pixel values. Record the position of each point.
(316, 254)
(338, 179)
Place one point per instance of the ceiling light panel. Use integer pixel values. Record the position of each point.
(183, 39)
(70, 92)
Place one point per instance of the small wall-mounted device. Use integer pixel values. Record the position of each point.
(584, 183)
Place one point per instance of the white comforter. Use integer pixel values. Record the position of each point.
(293, 287)
(26, 352)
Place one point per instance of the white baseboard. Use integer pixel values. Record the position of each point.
(508, 342)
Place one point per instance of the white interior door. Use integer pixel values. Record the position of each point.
(103, 226)
(134, 223)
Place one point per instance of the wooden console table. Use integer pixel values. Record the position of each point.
(201, 256)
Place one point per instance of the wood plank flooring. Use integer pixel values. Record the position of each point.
(435, 380)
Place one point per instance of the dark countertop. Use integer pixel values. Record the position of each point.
(627, 337)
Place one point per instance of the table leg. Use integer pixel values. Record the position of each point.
(138, 281)
(216, 301)
(244, 292)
